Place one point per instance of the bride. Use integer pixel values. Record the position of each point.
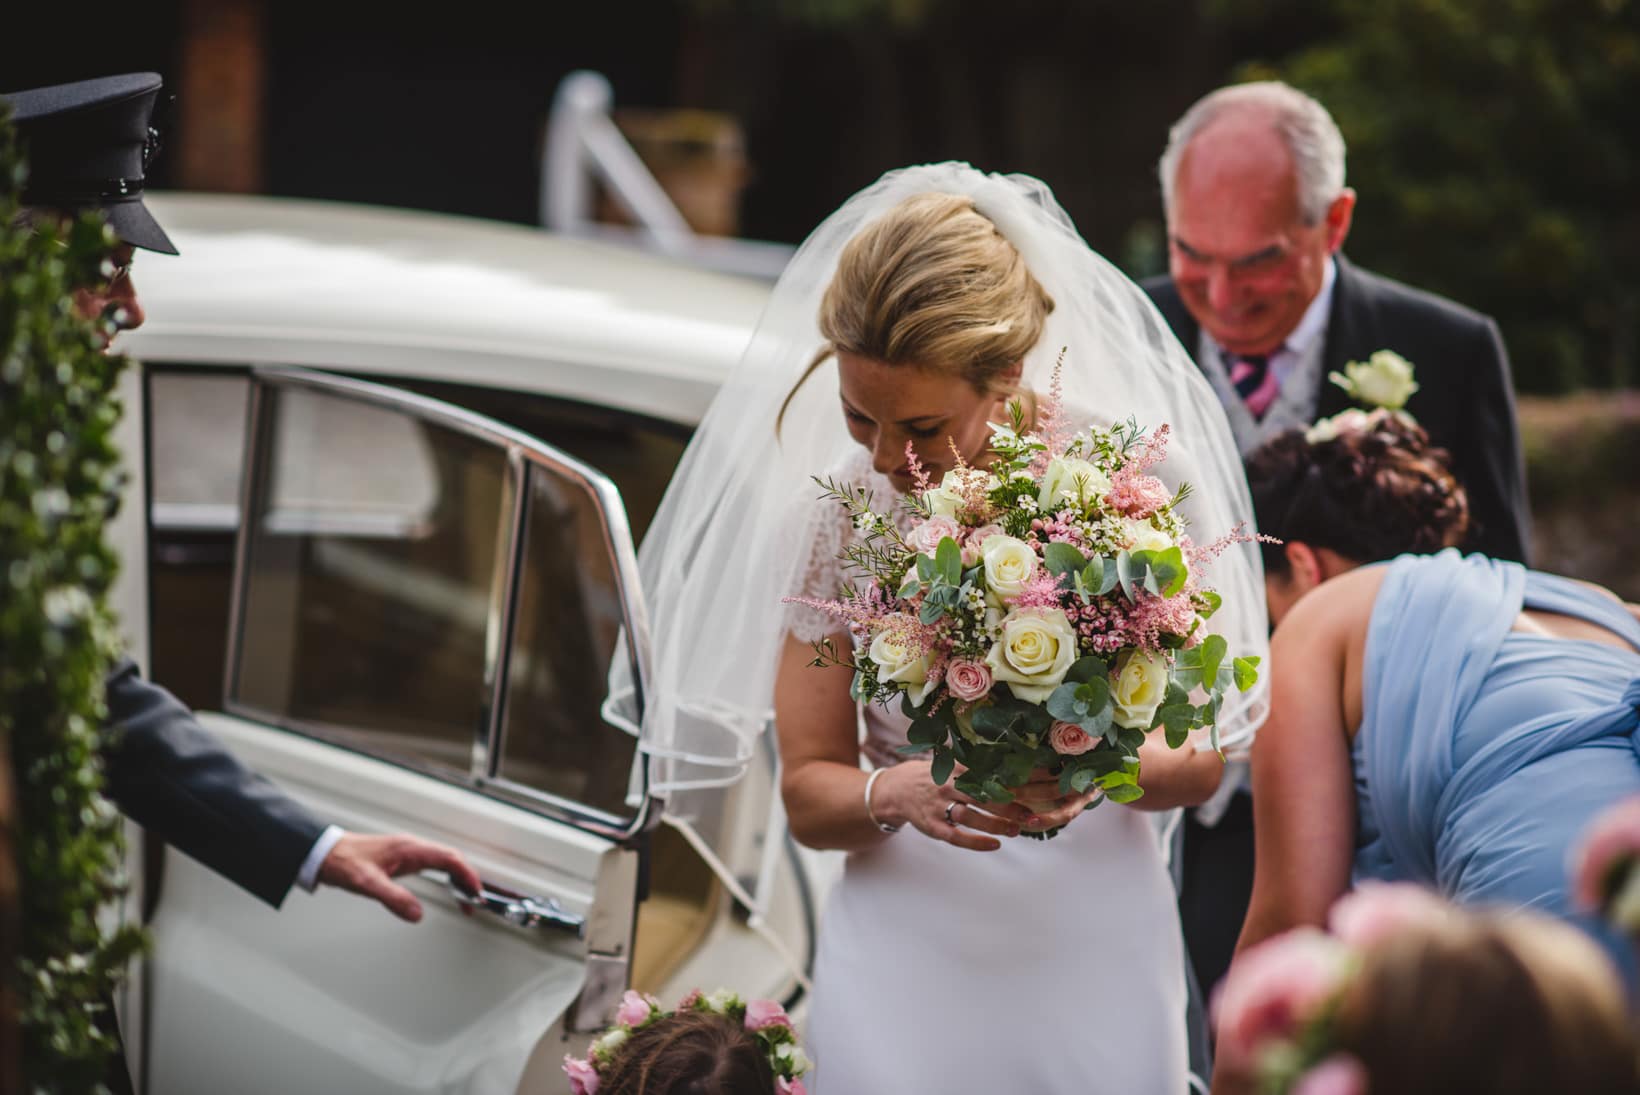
(953, 956)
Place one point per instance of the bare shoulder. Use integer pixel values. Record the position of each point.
(1336, 609)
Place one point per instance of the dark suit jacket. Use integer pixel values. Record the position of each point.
(172, 777)
(1465, 400)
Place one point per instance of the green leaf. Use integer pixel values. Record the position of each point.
(925, 568)
(1213, 649)
(1110, 578)
(1246, 672)
(1178, 719)
(1081, 780)
(927, 731)
(1087, 668)
(1151, 584)
(1125, 573)
(910, 750)
(1094, 694)
(948, 561)
(943, 764)
(1214, 602)
(996, 792)
(1127, 792)
(1061, 559)
(932, 611)
(1171, 571)
(911, 587)
(1062, 703)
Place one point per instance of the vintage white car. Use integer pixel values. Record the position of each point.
(395, 465)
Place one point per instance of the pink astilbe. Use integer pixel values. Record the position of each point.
(919, 474)
(1200, 555)
(1135, 494)
(1049, 413)
(1101, 627)
(1153, 617)
(1153, 452)
(1041, 591)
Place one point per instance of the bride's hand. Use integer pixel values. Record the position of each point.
(907, 794)
(1041, 806)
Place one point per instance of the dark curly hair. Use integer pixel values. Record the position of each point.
(1370, 493)
(689, 1053)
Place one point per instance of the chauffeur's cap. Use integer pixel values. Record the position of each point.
(87, 145)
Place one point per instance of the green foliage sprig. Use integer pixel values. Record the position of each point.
(59, 484)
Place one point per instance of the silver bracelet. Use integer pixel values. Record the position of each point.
(871, 781)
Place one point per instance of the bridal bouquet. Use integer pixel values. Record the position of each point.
(1043, 613)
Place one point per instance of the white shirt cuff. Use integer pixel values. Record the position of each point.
(308, 876)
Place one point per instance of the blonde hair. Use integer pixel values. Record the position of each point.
(933, 284)
(1489, 1003)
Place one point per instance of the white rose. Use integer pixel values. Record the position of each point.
(1327, 429)
(1384, 380)
(942, 501)
(610, 1042)
(903, 665)
(1009, 565)
(1141, 685)
(1143, 536)
(793, 1057)
(1034, 651)
(1070, 479)
(721, 1000)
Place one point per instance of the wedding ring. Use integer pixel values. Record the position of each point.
(949, 806)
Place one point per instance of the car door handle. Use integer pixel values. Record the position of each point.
(519, 909)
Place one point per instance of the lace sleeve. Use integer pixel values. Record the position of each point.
(827, 533)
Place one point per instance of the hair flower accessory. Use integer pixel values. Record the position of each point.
(765, 1020)
(1274, 1012)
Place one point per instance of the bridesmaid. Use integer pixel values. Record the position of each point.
(1451, 720)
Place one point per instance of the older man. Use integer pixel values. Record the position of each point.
(1257, 212)
(88, 144)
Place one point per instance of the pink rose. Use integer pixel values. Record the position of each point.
(1273, 988)
(688, 1002)
(783, 1086)
(766, 1013)
(583, 1078)
(1375, 911)
(926, 537)
(975, 537)
(1611, 840)
(1339, 1074)
(968, 681)
(634, 1009)
(1069, 740)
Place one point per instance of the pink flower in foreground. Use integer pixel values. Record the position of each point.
(583, 1078)
(789, 1087)
(968, 680)
(1136, 494)
(973, 539)
(926, 537)
(634, 1009)
(1376, 911)
(1273, 988)
(1339, 1074)
(766, 1013)
(1613, 838)
(1069, 740)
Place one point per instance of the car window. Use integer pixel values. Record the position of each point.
(369, 571)
(197, 440)
(569, 619)
(433, 587)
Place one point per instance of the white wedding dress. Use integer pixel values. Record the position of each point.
(1044, 967)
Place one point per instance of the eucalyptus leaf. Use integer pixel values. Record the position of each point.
(1213, 649)
(1125, 573)
(1125, 793)
(1062, 559)
(1246, 670)
(1086, 668)
(948, 561)
(943, 764)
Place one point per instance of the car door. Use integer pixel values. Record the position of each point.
(426, 605)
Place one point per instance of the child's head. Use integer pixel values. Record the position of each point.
(711, 1045)
(1413, 996)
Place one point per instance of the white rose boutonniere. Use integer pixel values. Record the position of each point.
(1383, 380)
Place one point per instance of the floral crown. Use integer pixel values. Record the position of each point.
(1383, 383)
(765, 1020)
(1275, 1012)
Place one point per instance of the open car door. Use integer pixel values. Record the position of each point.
(426, 604)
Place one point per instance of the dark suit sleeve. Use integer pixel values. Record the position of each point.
(1492, 466)
(167, 773)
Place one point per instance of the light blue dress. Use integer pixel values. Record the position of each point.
(1484, 753)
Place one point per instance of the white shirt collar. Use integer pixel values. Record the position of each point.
(1314, 321)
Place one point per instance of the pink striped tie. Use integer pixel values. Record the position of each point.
(1250, 375)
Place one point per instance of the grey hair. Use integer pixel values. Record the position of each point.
(1309, 132)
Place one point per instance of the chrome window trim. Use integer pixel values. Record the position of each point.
(523, 452)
